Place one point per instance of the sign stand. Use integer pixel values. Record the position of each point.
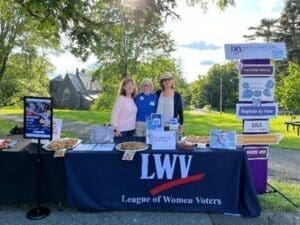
(39, 212)
(38, 124)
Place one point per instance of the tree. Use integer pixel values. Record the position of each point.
(81, 19)
(26, 74)
(265, 30)
(153, 68)
(18, 32)
(221, 78)
(289, 29)
(290, 92)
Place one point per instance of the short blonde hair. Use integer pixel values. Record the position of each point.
(146, 80)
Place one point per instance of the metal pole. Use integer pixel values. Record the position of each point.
(221, 94)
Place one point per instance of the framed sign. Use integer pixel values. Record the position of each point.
(38, 117)
(262, 88)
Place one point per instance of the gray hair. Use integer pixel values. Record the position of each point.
(146, 80)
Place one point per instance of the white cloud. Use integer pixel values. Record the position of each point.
(215, 27)
(67, 63)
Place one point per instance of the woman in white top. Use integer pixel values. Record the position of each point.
(169, 101)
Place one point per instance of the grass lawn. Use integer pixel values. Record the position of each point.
(199, 125)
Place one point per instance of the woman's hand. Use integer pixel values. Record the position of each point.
(117, 133)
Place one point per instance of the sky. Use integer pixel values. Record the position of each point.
(199, 36)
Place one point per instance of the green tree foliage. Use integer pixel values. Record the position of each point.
(151, 69)
(210, 86)
(25, 75)
(289, 29)
(290, 90)
(19, 32)
(265, 30)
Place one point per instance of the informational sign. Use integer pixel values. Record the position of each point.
(250, 111)
(256, 126)
(38, 117)
(276, 51)
(165, 140)
(262, 88)
(157, 121)
(256, 152)
(173, 124)
(258, 139)
(223, 139)
(257, 70)
(57, 126)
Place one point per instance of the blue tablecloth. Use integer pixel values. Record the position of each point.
(204, 181)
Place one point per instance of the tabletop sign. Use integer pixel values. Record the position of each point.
(128, 155)
(257, 70)
(271, 50)
(256, 152)
(223, 139)
(173, 124)
(256, 126)
(258, 139)
(250, 111)
(262, 88)
(165, 140)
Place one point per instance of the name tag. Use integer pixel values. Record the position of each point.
(152, 103)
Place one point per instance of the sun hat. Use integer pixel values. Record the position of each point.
(165, 76)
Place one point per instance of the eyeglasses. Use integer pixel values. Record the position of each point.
(146, 85)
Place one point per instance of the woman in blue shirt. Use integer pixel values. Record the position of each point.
(146, 102)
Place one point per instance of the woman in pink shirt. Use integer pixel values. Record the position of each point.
(123, 116)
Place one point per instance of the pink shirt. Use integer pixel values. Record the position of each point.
(124, 114)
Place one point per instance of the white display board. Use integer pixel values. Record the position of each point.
(256, 126)
(271, 50)
(262, 88)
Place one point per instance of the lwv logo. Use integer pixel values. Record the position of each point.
(164, 165)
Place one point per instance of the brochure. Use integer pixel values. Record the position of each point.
(223, 139)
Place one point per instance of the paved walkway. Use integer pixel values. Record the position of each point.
(283, 165)
(14, 216)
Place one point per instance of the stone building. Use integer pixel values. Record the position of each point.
(74, 91)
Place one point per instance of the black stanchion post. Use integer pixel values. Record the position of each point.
(39, 212)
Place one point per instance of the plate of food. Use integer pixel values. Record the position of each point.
(132, 146)
(63, 143)
(196, 139)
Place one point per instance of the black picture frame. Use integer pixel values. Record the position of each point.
(38, 117)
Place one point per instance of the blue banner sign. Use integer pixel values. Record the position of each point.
(249, 111)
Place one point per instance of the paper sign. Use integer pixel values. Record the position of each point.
(257, 70)
(173, 124)
(258, 139)
(249, 111)
(157, 120)
(256, 126)
(162, 140)
(276, 51)
(262, 88)
(128, 155)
